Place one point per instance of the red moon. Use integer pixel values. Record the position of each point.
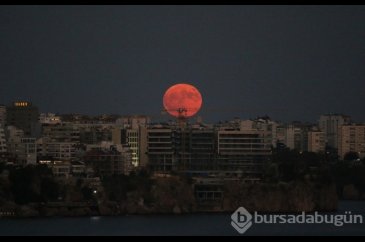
(182, 100)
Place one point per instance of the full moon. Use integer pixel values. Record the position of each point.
(182, 100)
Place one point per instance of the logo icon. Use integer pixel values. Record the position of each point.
(241, 220)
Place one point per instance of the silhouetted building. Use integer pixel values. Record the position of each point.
(133, 121)
(24, 115)
(95, 134)
(3, 148)
(2, 116)
(242, 153)
(160, 149)
(109, 162)
(194, 149)
(329, 124)
(62, 151)
(61, 132)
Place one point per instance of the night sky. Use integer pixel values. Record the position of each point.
(289, 62)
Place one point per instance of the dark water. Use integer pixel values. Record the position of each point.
(197, 224)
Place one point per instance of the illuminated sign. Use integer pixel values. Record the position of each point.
(21, 104)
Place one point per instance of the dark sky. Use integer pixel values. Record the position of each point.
(289, 62)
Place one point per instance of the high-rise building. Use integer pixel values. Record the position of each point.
(194, 149)
(3, 148)
(243, 151)
(131, 132)
(63, 132)
(329, 124)
(24, 115)
(293, 136)
(160, 149)
(14, 137)
(28, 151)
(133, 122)
(316, 141)
(108, 162)
(56, 150)
(2, 116)
(94, 133)
(351, 138)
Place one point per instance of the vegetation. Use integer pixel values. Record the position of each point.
(290, 165)
(349, 173)
(117, 187)
(351, 156)
(33, 184)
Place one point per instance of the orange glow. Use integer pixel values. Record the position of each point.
(182, 100)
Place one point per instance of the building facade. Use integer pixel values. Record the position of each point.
(109, 162)
(316, 141)
(2, 115)
(330, 124)
(24, 115)
(242, 153)
(351, 138)
(160, 149)
(3, 146)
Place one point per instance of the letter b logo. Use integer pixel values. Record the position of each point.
(241, 220)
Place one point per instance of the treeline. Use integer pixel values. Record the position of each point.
(291, 165)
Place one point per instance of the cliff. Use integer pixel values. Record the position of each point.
(281, 197)
(174, 195)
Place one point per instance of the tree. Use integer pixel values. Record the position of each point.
(33, 184)
(350, 156)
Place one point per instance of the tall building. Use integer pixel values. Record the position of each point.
(108, 162)
(316, 141)
(243, 151)
(63, 132)
(24, 115)
(133, 121)
(14, 137)
(130, 138)
(293, 137)
(2, 116)
(329, 124)
(131, 132)
(3, 148)
(160, 149)
(194, 149)
(28, 151)
(95, 134)
(56, 150)
(351, 138)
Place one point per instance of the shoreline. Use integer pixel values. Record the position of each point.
(168, 214)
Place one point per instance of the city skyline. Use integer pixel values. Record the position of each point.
(287, 62)
(182, 120)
